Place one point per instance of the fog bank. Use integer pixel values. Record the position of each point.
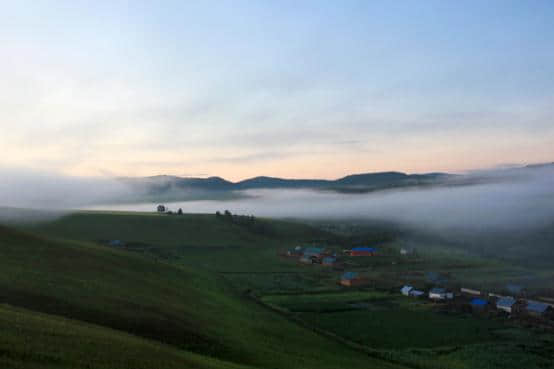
(497, 200)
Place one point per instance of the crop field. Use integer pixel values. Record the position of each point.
(381, 320)
(410, 331)
(324, 301)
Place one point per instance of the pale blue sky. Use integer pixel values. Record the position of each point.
(241, 88)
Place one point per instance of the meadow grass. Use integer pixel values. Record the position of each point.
(190, 309)
(190, 286)
(37, 340)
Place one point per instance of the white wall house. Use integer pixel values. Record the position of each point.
(437, 294)
(406, 290)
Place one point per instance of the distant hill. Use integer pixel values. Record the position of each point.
(170, 186)
(165, 188)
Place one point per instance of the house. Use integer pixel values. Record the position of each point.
(363, 251)
(407, 251)
(351, 279)
(506, 304)
(406, 290)
(313, 251)
(116, 243)
(536, 308)
(329, 261)
(478, 304)
(437, 294)
(416, 293)
(469, 291)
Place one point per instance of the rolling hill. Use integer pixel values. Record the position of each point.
(165, 187)
(90, 296)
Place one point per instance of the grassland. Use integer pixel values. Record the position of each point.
(187, 282)
(189, 309)
(37, 340)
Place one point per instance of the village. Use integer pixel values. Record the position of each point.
(512, 301)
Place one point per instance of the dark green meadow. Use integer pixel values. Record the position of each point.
(36, 340)
(206, 291)
(187, 309)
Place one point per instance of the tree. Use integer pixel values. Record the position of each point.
(228, 213)
(180, 211)
(161, 209)
(217, 214)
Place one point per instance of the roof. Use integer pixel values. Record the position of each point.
(505, 302)
(364, 248)
(437, 290)
(416, 292)
(478, 302)
(350, 275)
(536, 306)
(313, 250)
(407, 288)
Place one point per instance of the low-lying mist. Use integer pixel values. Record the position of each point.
(508, 200)
(502, 200)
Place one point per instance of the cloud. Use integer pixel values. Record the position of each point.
(45, 190)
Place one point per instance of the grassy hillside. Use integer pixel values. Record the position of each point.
(177, 231)
(36, 340)
(187, 308)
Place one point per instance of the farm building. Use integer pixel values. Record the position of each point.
(478, 304)
(469, 291)
(416, 293)
(437, 294)
(536, 308)
(116, 243)
(363, 251)
(505, 304)
(406, 290)
(313, 251)
(329, 261)
(351, 279)
(405, 251)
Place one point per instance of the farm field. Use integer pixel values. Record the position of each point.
(409, 331)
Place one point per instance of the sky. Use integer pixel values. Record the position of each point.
(295, 89)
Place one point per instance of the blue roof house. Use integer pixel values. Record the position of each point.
(536, 307)
(478, 304)
(505, 304)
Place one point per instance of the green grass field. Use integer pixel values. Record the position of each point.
(37, 340)
(190, 309)
(185, 291)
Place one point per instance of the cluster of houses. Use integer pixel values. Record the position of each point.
(482, 301)
(327, 257)
(477, 300)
